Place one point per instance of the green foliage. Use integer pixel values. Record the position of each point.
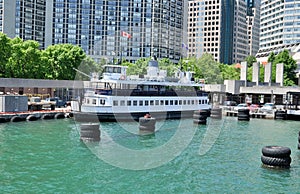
(88, 66)
(138, 68)
(250, 60)
(230, 72)
(62, 59)
(290, 66)
(168, 65)
(5, 53)
(209, 69)
(25, 59)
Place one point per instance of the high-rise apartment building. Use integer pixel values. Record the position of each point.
(24, 18)
(218, 27)
(280, 23)
(154, 27)
(279, 28)
(253, 22)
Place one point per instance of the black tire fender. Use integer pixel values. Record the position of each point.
(16, 119)
(276, 151)
(272, 161)
(147, 128)
(59, 115)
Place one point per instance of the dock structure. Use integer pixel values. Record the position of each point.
(252, 114)
(34, 115)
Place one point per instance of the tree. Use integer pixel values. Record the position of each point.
(250, 60)
(62, 59)
(209, 69)
(138, 68)
(290, 66)
(229, 72)
(89, 66)
(24, 61)
(5, 53)
(168, 65)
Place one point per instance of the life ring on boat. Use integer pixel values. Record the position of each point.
(122, 77)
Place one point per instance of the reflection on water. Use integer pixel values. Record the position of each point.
(48, 157)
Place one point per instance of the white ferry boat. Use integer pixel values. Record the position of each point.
(118, 97)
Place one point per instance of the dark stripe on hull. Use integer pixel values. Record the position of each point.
(96, 117)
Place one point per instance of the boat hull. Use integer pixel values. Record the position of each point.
(97, 117)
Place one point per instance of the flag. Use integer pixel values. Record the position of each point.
(185, 46)
(125, 34)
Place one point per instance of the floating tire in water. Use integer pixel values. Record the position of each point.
(200, 116)
(90, 132)
(147, 128)
(200, 113)
(276, 156)
(200, 121)
(147, 124)
(276, 151)
(59, 115)
(243, 115)
(31, 118)
(278, 162)
(280, 114)
(16, 119)
(147, 121)
(216, 113)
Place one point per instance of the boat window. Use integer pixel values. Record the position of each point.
(117, 69)
(166, 102)
(205, 101)
(102, 102)
(151, 102)
(134, 103)
(87, 101)
(128, 102)
(115, 103)
(141, 103)
(161, 102)
(188, 102)
(180, 102)
(184, 102)
(176, 102)
(199, 101)
(156, 102)
(122, 103)
(146, 102)
(94, 101)
(171, 102)
(192, 101)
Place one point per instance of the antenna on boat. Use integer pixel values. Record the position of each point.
(82, 73)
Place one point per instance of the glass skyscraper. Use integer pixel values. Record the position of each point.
(280, 23)
(218, 27)
(155, 26)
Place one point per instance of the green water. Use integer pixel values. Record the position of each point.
(48, 157)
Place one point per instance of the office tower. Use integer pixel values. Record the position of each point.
(253, 22)
(218, 27)
(23, 18)
(280, 23)
(155, 27)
